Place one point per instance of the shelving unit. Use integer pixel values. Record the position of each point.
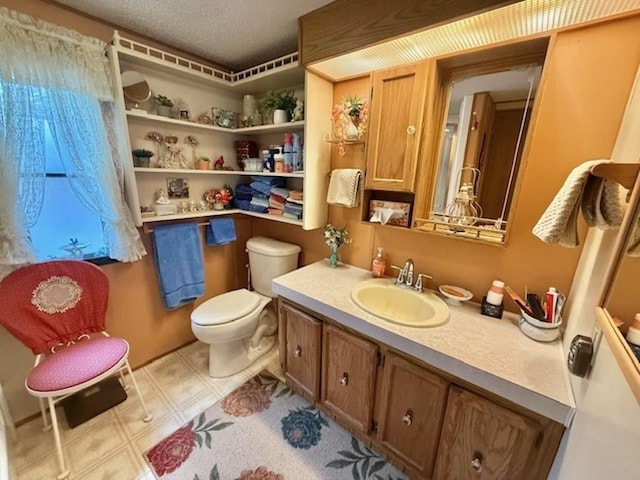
(205, 87)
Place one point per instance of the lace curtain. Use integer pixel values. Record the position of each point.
(54, 74)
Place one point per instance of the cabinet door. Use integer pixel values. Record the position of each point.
(300, 350)
(482, 440)
(397, 107)
(348, 377)
(411, 410)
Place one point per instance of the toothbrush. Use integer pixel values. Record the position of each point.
(518, 301)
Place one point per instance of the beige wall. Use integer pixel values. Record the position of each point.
(578, 120)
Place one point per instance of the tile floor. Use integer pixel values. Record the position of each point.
(175, 387)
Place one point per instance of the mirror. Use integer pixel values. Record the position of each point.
(135, 87)
(620, 300)
(481, 150)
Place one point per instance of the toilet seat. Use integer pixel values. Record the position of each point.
(226, 308)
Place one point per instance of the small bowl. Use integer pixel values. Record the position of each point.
(455, 295)
(538, 330)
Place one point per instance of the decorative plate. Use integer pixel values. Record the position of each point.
(455, 295)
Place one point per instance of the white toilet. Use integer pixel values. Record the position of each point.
(239, 326)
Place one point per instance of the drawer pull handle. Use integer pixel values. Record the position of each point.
(411, 130)
(297, 352)
(476, 463)
(408, 418)
(345, 379)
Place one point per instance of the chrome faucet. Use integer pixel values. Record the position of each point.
(408, 268)
(405, 277)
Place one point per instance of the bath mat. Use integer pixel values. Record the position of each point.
(262, 430)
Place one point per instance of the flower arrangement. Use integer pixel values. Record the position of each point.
(349, 118)
(221, 197)
(335, 237)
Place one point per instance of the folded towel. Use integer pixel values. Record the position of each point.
(276, 211)
(273, 203)
(263, 188)
(220, 231)
(257, 208)
(291, 215)
(177, 254)
(296, 194)
(598, 198)
(271, 181)
(280, 191)
(243, 191)
(241, 204)
(343, 187)
(277, 198)
(293, 200)
(260, 202)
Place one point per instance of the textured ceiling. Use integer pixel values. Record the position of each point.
(236, 34)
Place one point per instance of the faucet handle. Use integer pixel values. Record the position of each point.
(418, 286)
(401, 274)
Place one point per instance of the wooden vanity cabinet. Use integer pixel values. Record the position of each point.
(482, 440)
(349, 366)
(395, 127)
(410, 412)
(300, 340)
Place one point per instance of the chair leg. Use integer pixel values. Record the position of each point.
(148, 417)
(6, 415)
(43, 412)
(64, 471)
(124, 384)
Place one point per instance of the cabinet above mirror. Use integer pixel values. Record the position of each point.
(484, 102)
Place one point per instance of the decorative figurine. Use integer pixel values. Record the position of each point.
(173, 157)
(219, 163)
(162, 197)
(298, 112)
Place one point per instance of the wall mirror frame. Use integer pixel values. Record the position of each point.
(451, 190)
(619, 300)
(135, 87)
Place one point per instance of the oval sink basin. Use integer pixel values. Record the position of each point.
(380, 297)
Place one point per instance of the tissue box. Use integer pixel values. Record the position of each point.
(400, 215)
(165, 209)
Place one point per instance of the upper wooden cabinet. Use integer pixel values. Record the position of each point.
(348, 377)
(410, 414)
(395, 127)
(300, 337)
(482, 440)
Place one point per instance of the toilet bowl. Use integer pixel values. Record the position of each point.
(239, 326)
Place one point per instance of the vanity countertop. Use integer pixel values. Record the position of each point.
(490, 353)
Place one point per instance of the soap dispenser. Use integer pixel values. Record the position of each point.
(378, 265)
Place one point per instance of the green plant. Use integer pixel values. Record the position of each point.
(162, 100)
(140, 152)
(203, 158)
(284, 100)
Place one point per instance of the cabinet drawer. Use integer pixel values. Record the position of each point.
(482, 440)
(348, 377)
(411, 411)
(300, 349)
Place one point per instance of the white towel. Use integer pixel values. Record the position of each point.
(598, 198)
(343, 187)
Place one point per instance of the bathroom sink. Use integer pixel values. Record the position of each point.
(380, 297)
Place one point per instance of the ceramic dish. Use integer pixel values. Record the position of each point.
(537, 330)
(455, 295)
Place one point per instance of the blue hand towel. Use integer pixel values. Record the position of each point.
(241, 204)
(243, 192)
(271, 181)
(261, 187)
(220, 232)
(178, 256)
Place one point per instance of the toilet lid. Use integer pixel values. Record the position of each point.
(226, 307)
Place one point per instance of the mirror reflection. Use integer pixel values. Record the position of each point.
(135, 87)
(481, 150)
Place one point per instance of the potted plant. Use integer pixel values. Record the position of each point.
(349, 119)
(282, 104)
(203, 162)
(163, 105)
(141, 157)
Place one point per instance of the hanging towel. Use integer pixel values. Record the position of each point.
(220, 231)
(343, 187)
(178, 257)
(596, 196)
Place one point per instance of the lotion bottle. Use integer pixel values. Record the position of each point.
(496, 293)
(378, 265)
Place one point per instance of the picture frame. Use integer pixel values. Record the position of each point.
(178, 187)
(184, 115)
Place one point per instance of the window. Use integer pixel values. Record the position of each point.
(65, 227)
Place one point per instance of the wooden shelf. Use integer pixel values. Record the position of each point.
(150, 118)
(182, 171)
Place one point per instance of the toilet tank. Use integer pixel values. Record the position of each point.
(268, 259)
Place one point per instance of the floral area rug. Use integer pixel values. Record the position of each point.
(263, 431)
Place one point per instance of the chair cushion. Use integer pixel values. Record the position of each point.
(77, 364)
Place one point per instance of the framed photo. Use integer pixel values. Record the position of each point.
(178, 187)
(184, 115)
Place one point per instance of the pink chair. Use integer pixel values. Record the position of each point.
(57, 309)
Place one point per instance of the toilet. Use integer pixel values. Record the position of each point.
(239, 326)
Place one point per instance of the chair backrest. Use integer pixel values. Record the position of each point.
(55, 302)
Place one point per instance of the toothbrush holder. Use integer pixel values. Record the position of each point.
(491, 310)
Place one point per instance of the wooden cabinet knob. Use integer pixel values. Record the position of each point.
(411, 130)
(408, 418)
(345, 379)
(476, 463)
(297, 352)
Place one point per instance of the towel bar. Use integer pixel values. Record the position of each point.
(623, 173)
